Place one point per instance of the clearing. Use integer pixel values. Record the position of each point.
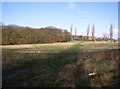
(61, 65)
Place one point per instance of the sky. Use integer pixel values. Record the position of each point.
(62, 15)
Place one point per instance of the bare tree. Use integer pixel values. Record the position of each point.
(93, 32)
(75, 31)
(71, 31)
(111, 32)
(88, 30)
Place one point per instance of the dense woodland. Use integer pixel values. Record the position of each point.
(12, 34)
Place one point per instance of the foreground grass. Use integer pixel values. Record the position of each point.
(58, 65)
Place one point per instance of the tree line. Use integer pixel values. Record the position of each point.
(93, 38)
(12, 34)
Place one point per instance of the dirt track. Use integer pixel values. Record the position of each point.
(17, 46)
(31, 45)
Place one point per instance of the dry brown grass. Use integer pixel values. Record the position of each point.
(35, 45)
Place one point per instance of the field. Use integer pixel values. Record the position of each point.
(61, 65)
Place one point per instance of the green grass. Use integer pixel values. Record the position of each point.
(61, 65)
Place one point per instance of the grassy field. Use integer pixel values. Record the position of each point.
(61, 65)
